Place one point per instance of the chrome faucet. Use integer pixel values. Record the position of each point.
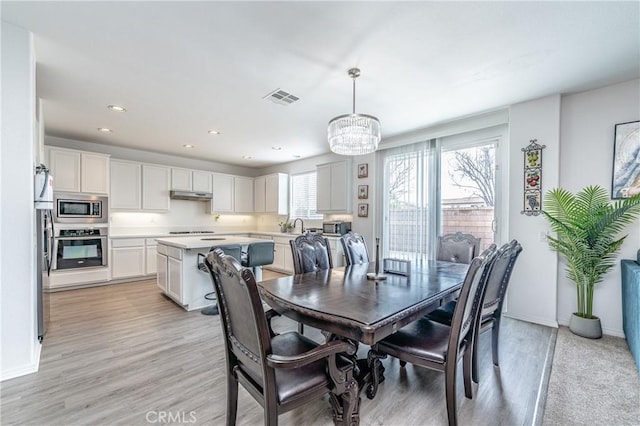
(302, 222)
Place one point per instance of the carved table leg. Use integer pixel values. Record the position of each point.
(376, 370)
(344, 397)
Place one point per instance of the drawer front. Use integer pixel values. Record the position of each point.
(162, 249)
(174, 252)
(150, 242)
(127, 242)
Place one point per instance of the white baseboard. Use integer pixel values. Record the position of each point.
(608, 331)
(535, 320)
(24, 369)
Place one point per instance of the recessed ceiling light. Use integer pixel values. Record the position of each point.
(246, 157)
(187, 145)
(276, 148)
(116, 108)
(214, 132)
(104, 130)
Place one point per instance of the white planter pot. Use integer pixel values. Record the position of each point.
(589, 328)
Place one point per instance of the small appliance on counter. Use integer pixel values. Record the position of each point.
(337, 227)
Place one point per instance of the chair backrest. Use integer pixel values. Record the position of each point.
(310, 253)
(246, 333)
(355, 248)
(465, 315)
(260, 253)
(458, 247)
(499, 276)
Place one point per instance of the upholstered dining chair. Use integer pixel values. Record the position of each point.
(311, 252)
(281, 372)
(458, 247)
(432, 345)
(491, 311)
(355, 248)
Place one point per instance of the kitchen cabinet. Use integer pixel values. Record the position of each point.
(77, 171)
(223, 193)
(136, 186)
(333, 186)
(126, 189)
(271, 194)
(243, 194)
(190, 180)
(127, 258)
(174, 278)
(150, 255)
(162, 265)
(155, 187)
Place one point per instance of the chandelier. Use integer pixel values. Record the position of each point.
(354, 134)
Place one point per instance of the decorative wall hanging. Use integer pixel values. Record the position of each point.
(626, 160)
(363, 170)
(363, 192)
(532, 178)
(363, 210)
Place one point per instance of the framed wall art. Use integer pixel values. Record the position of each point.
(626, 160)
(363, 170)
(363, 210)
(363, 192)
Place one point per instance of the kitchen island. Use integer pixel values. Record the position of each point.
(177, 267)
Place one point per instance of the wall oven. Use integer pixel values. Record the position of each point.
(80, 248)
(80, 208)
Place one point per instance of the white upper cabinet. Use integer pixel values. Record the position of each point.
(77, 171)
(136, 186)
(223, 192)
(180, 179)
(126, 188)
(201, 181)
(243, 194)
(271, 194)
(259, 189)
(334, 183)
(155, 187)
(190, 180)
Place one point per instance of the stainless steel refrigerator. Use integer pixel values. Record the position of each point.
(44, 246)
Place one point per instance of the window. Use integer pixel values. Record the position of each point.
(303, 196)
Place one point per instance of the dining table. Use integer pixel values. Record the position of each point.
(344, 304)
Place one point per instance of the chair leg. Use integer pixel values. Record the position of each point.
(467, 369)
(474, 361)
(495, 334)
(232, 399)
(450, 391)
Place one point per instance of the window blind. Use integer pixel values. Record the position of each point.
(303, 196)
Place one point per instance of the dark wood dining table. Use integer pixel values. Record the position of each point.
(343, 303)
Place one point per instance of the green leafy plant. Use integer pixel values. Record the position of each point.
(587, 226)
(286, 226)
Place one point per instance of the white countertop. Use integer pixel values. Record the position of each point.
(206, 241)
(159, 234)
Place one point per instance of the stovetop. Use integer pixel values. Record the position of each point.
(190, 232)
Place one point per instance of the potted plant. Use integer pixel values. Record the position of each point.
(286, 226)
(587, 225)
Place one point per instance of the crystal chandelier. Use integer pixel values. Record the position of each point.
(354, 134)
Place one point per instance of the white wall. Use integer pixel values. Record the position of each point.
(532, 289)
(586, 158)
(19, 348)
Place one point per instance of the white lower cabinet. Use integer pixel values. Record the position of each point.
(174, 278)
(162, 271)
(127, 258)
(150, 256)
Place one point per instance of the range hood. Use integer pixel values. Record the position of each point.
(189, 195)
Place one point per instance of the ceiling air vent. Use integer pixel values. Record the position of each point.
(280, 97)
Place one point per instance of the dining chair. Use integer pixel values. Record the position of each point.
(432, 345)
(310, 253)
(491, 311)
(283, 371)
(458, 247)
(355, 248)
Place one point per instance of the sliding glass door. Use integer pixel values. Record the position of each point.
(437, 187)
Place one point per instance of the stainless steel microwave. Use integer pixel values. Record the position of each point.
(337, 227)
(80, 208)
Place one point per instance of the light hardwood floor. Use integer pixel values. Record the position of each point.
(126, 355)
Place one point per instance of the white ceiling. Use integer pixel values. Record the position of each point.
(182, 68)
